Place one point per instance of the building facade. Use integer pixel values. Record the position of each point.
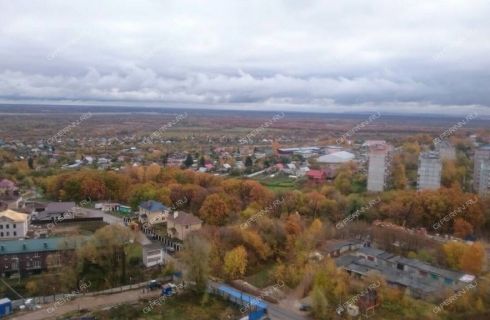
(153, 255)
(378, 166)
(13, 225)
(429, 172)
(35, 255)
(152, 212)
(481, 154)
(484, 179)
(446, 150)
(180, 224)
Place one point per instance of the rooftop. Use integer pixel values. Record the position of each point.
(336, 157)
(39, 245)
(184, 218)
(59, 207)
(14, 216)
(152, 205)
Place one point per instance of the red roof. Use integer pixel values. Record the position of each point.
(316, 174)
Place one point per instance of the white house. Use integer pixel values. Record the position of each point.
(152, 255)
(13, 225)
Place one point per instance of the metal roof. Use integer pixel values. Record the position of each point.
(152, 205)
(39, 245)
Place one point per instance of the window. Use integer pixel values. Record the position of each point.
(15, 233)
(1, 234)
(14, 226)
(370, 258)
(400, 266)
(1, 226)
(187, 226)
(7, 226)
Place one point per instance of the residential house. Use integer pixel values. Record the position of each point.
(316, 175)
(9, 195)
(180, 224)
(153, 212)
(13, 225)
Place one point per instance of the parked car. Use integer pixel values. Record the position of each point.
(153, 284)
(169, 289)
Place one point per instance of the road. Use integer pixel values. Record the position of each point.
(280, 313)
(88, 303)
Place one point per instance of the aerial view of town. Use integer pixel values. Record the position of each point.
(244, 160)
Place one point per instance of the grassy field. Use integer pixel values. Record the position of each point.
(262, 278)
(79, 228)
(280, 182)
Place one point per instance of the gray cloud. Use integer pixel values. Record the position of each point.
(321, 55)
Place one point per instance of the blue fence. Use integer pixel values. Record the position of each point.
(255, 307)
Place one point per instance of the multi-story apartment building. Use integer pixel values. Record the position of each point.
(429, 172)
(35, 255)
(484, 183)
(446, 150)
(481, 154)
(378, 166)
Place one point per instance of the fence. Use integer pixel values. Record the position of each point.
(63, 296)
(42, 222)
(255, 307)
(167, 241)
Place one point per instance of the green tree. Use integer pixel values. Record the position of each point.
(248, 162)
(196, 256)
(235, 263)
(189, 161)
(319, 304)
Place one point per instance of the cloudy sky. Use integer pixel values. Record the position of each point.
(400, 56)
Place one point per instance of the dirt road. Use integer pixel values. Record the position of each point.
(88, 303)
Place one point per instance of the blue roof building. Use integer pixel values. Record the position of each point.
(153, 206)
